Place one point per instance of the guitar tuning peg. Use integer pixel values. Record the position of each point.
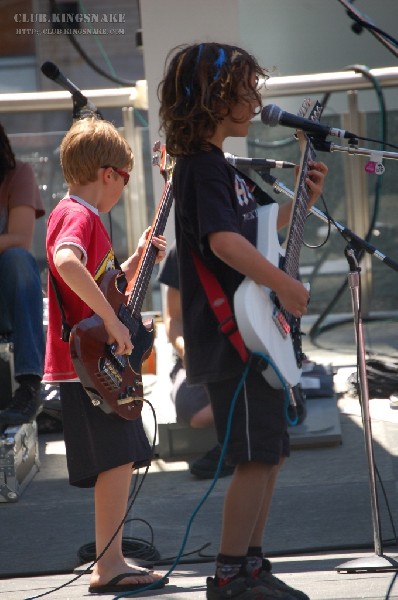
(304, 107)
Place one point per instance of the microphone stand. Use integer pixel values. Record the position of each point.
(82, 108)
(379, 561)
(383, 38)
(320, 144)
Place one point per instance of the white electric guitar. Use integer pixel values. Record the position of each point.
(266, 327)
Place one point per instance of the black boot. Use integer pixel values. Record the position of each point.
(205, 467)
(25, 406)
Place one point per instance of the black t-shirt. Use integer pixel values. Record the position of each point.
(210, 196)
(168, 273)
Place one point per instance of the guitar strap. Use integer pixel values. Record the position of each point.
(260, 196)
(221, 307)
(66, 328)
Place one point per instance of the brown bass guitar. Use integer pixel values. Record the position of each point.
(114, 381)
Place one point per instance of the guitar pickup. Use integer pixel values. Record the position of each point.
(281, 322)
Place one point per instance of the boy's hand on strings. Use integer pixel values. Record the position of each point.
(293, 296)
(315, 180)
(129, 267)
(158, 241)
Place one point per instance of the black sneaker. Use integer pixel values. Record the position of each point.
(266, 580)
(205, 467)
(238, 589)
(25, 406)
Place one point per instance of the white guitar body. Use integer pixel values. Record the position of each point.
(259, 320)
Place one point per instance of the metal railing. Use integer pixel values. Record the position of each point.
(135, 98)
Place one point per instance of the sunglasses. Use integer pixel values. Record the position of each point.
(124, 174)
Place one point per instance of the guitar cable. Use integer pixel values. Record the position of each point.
(90, 548)
(261, 357)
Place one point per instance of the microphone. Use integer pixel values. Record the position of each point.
(257, 163)
(272, 115)
(278, 186)
(51, 71)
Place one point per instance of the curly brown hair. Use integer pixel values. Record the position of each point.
(201, 84)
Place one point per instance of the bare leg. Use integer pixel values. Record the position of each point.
(202, 418)
(245, 513)
(111, 496)
(258, 531)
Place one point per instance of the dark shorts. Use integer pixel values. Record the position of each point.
(258, 427)
(96, 441)
(188, 399)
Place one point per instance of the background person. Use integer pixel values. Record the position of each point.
(21, 294)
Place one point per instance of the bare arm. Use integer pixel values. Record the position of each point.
(20, 228)
(173, 320)
(67, 261)
(241, 255)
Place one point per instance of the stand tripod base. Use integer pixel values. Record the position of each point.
(369, 564)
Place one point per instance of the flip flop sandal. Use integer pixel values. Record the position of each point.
(113, 585)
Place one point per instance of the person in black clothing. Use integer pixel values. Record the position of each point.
(210, 92)
(192, 403)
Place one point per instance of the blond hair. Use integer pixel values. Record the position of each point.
(90, 144)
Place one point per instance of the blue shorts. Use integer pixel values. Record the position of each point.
(258, 431)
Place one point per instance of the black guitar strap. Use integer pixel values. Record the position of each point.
(260, 196)
(66, 328)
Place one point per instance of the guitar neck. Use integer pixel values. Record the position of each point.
(141, 279)
(299, 214)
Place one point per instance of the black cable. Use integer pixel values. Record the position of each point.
(124, 82)
(316, 329)
(391, 586)
(133, 495)
(132, 548)
(361, 23)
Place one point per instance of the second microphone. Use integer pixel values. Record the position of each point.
(257, 163)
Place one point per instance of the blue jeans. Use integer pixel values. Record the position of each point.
(21, 310)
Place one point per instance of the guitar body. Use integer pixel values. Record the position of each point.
(259, 319)
(112, 381)
(266, 327)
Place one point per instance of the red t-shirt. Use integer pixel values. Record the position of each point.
(72, 222)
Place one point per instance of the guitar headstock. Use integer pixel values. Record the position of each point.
(163, 160)
(311, 110)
